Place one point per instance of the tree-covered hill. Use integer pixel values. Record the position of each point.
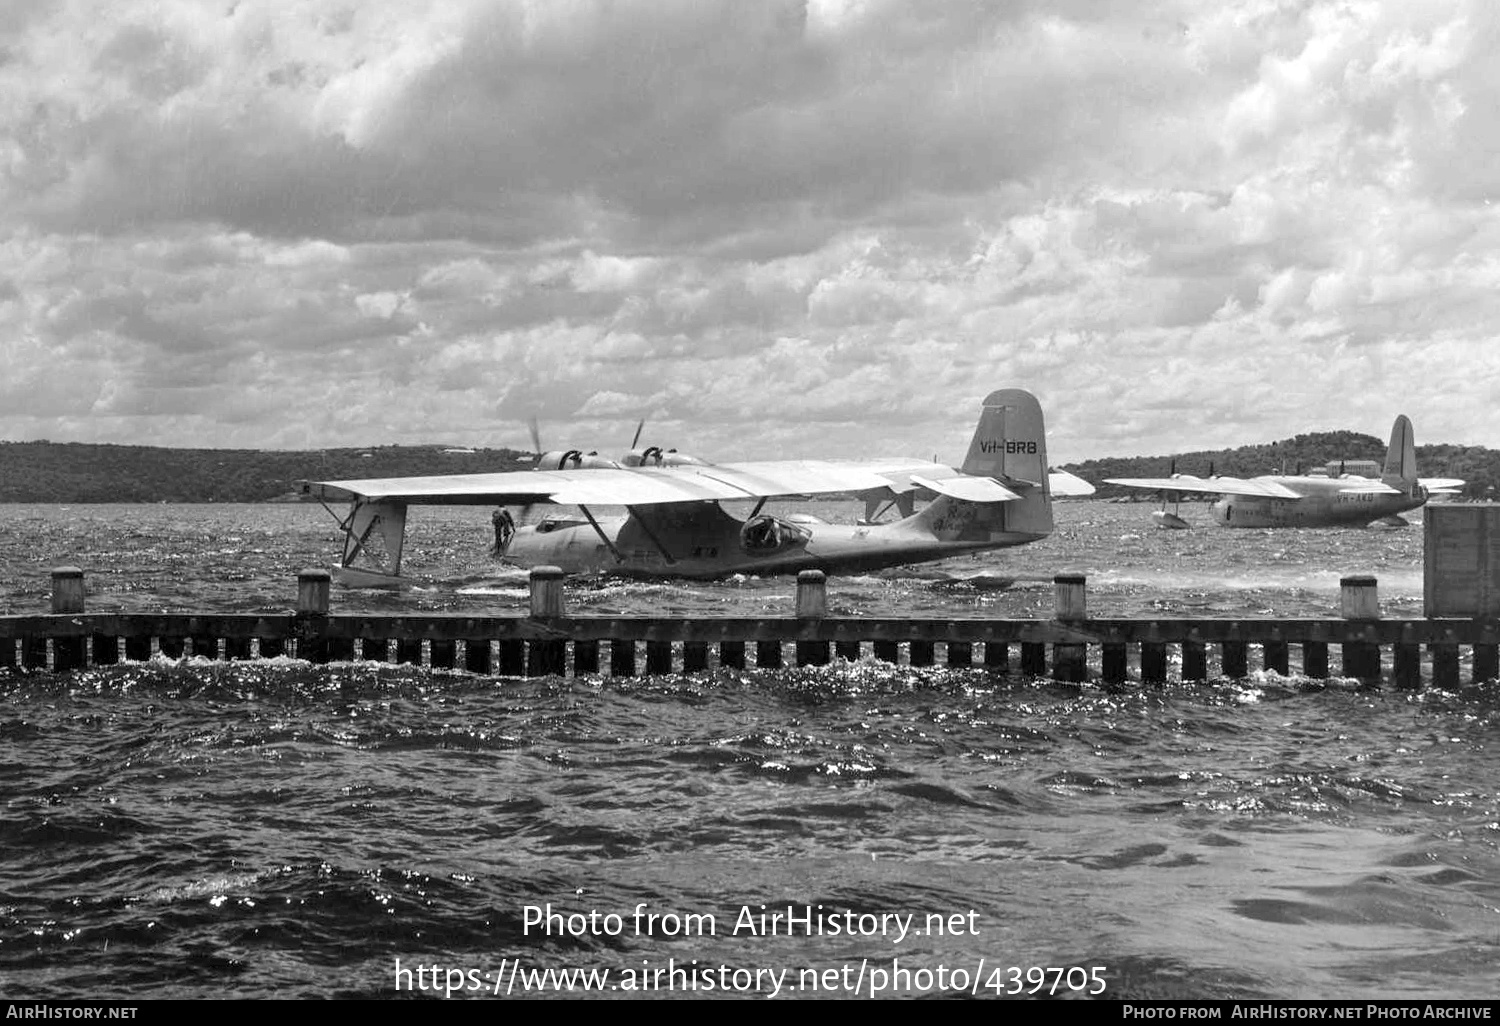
(1479, 467)
(73, 472)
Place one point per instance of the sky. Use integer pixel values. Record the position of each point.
(769, 229)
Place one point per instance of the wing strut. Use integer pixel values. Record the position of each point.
(652, 535)
(602, 536)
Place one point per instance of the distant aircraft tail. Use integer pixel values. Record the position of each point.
(1400, 469)
(1010, 445)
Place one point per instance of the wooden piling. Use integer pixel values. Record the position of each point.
(1275, 657)
(1194, 660)
(585, 658)
(67, 590)
(812, 604)
(1070, 605)
(1359, 600)
(1234, 661)
(546, 591)
(67, 598)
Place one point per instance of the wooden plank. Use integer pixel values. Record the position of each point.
(621, 658)
(442, 653)
(67, 654)
(1234, 660)
(1034, 658)
(886, 651)
(1115, 663)
(512, 661)
(1194, 660)
(732, 654)
(479, 657)
(847, 650)
(996, 655)
(921, 653)
(104, 649)
(812, 653)
(1444, 665)
(449, 627)
(585, 658)
(1406, 669)
(768, 655)
(960, 654)
(1361, 660)
(1275, 657)
(658, 657)
(1153, 662)
(694, 656)
(1070, 662)
(546, 658)
(1315, 659)
(1486, 663)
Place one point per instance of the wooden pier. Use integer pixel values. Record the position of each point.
(545, 640)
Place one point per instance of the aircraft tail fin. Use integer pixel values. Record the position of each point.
(1400, 468)
(1010, 446)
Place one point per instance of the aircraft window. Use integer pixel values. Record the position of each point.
(768, 534)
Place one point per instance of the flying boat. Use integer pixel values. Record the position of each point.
(1344, 493)
(675, 522)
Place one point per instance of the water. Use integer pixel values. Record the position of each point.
(186, 829)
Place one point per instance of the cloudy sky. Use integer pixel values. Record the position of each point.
(773, 229)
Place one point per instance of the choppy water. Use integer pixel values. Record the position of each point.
(184, 829)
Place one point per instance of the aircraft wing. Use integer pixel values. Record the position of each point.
(1370, 488)
(1208, 485)
(637, 486)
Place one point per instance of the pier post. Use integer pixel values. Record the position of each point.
(312, 591)
(546, 658)
(312, 615)
(546, 591)
(67, 590)
(812, 604)
(1070, 605)
(1153, 662)
(67, 597)
(1359, 600)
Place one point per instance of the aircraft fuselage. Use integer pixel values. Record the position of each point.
(1325, 502)
(703, 541)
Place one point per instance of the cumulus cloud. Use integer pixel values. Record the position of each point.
(822, 227)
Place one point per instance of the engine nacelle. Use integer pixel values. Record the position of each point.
(574, 459)
(656, 456)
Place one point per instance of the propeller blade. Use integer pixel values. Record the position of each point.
(536, 436)
(639, 426)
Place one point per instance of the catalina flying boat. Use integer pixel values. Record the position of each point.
(675, 524)
(1346, 493)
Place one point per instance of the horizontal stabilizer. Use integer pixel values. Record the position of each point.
(1442, 485)
(1060, 482)
(1263, 487)
(969, 489)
